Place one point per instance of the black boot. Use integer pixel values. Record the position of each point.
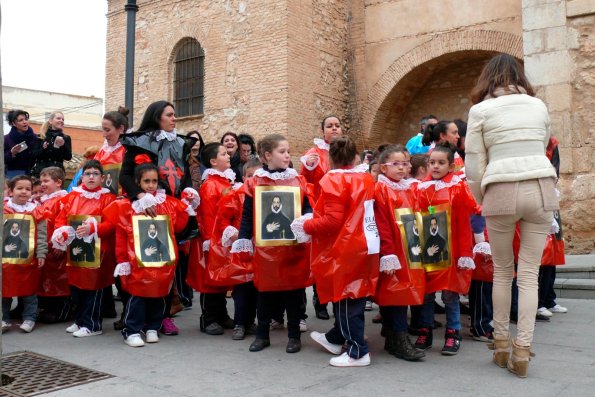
(401, 347)
(388, 339)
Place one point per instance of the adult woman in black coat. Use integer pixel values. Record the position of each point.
(19, 144)
(56, 146)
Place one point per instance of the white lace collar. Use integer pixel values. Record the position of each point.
(440, 184)
(27, 207)
(321, 144)
(159, 198)
(90, 195)
(59, 193)
(360, 169)
(289, 173)
(110, 149)
(228, 174)
(170, 136)
(403, 184)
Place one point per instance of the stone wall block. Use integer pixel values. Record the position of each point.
(582, 159)
(533, 42)
(575, 8)
(565, 160)
(583, 187)
(556, 38)
(558, 97)
(549, 68)
(544, 15)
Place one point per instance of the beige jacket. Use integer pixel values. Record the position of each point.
(506, 141)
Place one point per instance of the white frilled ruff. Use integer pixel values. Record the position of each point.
(403, 184)
(297, 227)
(59, 194)
(110, 149)
(91, 195)
(27, 207)
(242, 245)
(228, 174)
(285, 175)
(389, 262)
(229, 233)
(483, 248)
(358, 169)
(170, 136)
(122, 269)
(439, 184)
(465, 263)
(149, 200)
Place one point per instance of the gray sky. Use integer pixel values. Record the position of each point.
(54, 45)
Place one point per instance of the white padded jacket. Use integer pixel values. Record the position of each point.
(506, 141)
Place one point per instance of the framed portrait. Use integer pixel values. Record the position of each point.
(436, 238)
(559, 236)
(153, 243)
(276, 207)
(111, 178)
(411, 234)
(83, 253)
(18, 245)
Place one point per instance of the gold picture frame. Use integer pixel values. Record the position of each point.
(87, 255)
(111, 179)
(21, 240)
(160, 245)
(407, 221)
(279, 234)
(442, 239)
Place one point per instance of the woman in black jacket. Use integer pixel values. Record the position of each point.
(56, 146)
(19, 144)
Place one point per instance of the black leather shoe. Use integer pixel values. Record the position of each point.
(322, 314)
(259, 344)
(293, 345)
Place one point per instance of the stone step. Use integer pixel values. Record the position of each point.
(575, 288)
(577, 266)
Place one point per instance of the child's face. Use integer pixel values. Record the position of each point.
(222, 161)
(279, 157)
(250, 173)
(37, 192)
(149, 181)
(439, 165)
(396, 166)
(22, 192)
(375, 170)
(92, 178)
(332, 129)
(48, 185)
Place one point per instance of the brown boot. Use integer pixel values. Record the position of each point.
(501, 347)
(519, 360)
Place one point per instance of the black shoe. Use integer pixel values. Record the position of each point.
(401, 347)
(227, 324)
(293, 345)
(425, 339)
(239, 332)
(452, 342)
(384, 331)
(413, 331)
(47, 317)
(542, 318)
(213, 329)
(388, 338)
(322, 313)
(118, 325)
(438, 309)
(251, 330)
(259, 344)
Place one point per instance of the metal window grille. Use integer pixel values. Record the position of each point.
(189, 67)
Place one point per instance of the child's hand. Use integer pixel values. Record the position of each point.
(83, 230)
(389, 272)
(40, 262)
(312, 159)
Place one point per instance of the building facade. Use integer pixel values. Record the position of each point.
(263, 66)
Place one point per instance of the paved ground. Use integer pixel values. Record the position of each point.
(193, 364)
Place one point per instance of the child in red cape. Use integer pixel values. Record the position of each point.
(147, 278)
(20, 265)
(87, 282)
(446, 205)
(345, 248)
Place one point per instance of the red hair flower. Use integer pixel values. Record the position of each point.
(142, 159)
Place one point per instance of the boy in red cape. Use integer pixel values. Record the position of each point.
(87, 282)
(20, 264)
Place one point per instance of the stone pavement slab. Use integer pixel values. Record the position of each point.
(195, 364)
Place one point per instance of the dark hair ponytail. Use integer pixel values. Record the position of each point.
(432, 133)
(118, 117)
(342, 151)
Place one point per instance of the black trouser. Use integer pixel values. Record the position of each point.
(245, 298)
(185, 293)
(143, 314)
(317, 305)
(481, 307)
(349, 326)
(415, 321)
(394, 317)
(124, 296)
(292, 301)
(214, 309)
(56, 308)
(88, 307)
(547, 295)
(108, 305)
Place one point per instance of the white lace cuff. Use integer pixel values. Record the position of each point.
(555, 228)
(206, 245)
(148, 201)
(91, 236)
(304, 160)
(190, 211)
(297, 227)
(466, 263)
(228, 234)
(122, 269)
(479, 237)
(191, 197)
(66, 234)
(389, 262)
(482, 248)
(242, 245)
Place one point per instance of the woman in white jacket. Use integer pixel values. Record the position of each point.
(509, 174)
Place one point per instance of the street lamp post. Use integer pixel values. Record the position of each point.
(131, 8)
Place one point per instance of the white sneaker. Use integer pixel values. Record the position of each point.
(558, 309)
(27, 326)
(320, 338)
(345, 361)
(134, 340)
(152, 336)
(276, 325)
(5, 326)
(73, 328)
(303, 326)
(84, 332)
(544, 312)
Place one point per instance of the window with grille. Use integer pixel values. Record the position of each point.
(189, 72)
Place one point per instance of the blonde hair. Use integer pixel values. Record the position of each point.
(46, 126)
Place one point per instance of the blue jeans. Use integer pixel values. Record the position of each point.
(349, 326)
(451, 304)
(29, 308)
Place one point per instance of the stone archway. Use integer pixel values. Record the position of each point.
(391, 97)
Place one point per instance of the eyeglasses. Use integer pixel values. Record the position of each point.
(403, 164)
(92, 174)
